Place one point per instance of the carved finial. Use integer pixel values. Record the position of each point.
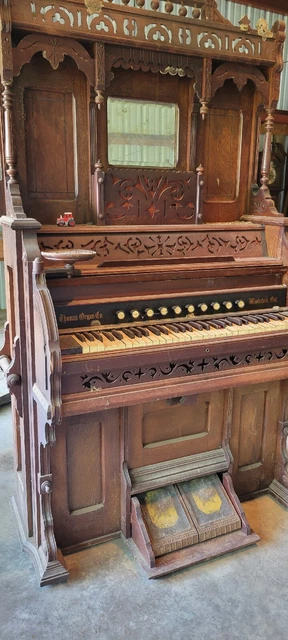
(262, 29)
(99, 98)
(204, 109)
(196, 13)
(93, 6)
(98, 166)
(200, 170)
(182, 10)
(244, 23)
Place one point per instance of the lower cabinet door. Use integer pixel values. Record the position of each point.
(254, 436)
(86, 478)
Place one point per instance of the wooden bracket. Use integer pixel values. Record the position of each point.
(11, 368)
(228, 486)
(140, 535)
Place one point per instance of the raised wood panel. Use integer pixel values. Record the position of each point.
(86, 478)
(180, 422)
(225, 128)
(50, 174)
(51, 109)
(225, 141)
(253, 414)
(160, 431)
(85, 487)
(254, 436)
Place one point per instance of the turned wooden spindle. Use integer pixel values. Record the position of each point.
(200, 185)
(266, 158)
(10, 155)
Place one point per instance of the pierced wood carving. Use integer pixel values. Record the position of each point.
(213, 364)
(152, 196)
(190, 34)
(131, 246)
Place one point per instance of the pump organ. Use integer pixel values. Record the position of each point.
(149, 382)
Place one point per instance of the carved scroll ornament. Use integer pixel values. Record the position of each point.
(240, 74)
(53, 49)
(174, 369)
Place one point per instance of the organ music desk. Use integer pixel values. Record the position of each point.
(146, 348)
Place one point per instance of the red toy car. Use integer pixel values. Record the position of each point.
(66, 220)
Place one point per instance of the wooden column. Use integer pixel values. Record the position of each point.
(266, 158)
(9, 150)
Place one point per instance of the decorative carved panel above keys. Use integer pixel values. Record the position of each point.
(134, 196)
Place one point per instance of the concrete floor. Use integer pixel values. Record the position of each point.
(243, 595)
(108, 597)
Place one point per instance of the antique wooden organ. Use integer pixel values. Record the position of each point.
(146, 347)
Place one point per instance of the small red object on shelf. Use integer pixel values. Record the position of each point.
(66, 220)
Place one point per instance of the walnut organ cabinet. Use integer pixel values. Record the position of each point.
(146, 348)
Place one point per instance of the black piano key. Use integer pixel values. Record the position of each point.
(227, 321)
(216, 324)
(144, 332)
(80, 337)
(117, 334)
(187, 326)
(128, 333)
(260, 318)
(108, 335)
(276, 316)
(251, 319)
(237, 321)
(173, 327)
(179, 326)
(163, 329)
(88, 336)
(97, 336)
(197, 325)
(137, 332)
(155, 330)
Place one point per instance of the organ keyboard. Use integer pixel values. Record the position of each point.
(98, 340)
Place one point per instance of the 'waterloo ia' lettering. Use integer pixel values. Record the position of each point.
(262, 300)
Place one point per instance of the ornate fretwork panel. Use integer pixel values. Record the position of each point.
(108, 378)
(134, 196)
(183, 32)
